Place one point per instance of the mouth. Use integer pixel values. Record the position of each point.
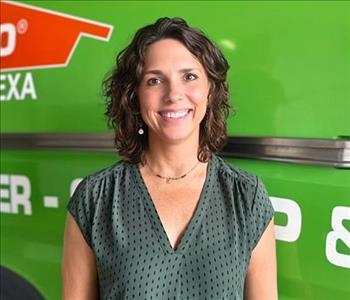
(175, 115)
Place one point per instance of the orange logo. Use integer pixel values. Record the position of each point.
(36, 38)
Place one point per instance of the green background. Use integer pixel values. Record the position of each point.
(290, 65)
(289, 77)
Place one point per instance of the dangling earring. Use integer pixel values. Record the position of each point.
(139, 124)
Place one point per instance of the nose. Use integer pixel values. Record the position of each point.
(173, 91)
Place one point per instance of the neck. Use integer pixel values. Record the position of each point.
(172, 159)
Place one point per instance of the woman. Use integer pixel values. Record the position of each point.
(172, 220)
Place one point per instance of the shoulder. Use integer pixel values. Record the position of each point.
(237, 183)
(248, 197)
(102, 183)
(235, 175)
(92, 197)
(115, 171)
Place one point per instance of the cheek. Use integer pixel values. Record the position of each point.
(147, 101)
(199, 96)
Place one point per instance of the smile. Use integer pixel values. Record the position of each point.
(175, 115)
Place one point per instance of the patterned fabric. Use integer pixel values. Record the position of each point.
(133, 254)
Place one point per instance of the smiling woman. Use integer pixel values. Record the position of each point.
(171, 220)
(173, 92)
(138, 68)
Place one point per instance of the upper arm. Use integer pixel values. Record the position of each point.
(78, 265)
(261, 278)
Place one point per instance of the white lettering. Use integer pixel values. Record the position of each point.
(28, 87)
(15, 198)
(18, 199)
(74, 185)
(2, 87)
(291, 231)
(339, 214)
(50, 201)
(13, 81)
(8, 49)
(4, 193)
(16, 88)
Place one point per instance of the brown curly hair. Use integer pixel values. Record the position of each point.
(120, 89)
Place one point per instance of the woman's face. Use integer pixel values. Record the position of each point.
(173, 92)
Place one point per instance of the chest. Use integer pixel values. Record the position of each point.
(212, 253)
(175, 206)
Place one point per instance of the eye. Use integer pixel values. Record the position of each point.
(190, 77)
(153, 81)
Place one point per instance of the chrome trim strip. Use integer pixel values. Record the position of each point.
(58, 141)
(324, 152)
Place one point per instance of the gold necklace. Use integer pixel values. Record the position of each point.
(169, 179)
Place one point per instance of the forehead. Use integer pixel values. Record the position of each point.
(169, 52)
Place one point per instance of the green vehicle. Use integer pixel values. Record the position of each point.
(289, 81)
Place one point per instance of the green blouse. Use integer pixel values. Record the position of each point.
(134, 257)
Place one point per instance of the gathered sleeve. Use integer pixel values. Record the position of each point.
(81, 207)
(261, 213)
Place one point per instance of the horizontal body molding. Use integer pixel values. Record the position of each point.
(324, 152)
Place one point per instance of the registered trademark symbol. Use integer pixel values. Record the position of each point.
(22, 26)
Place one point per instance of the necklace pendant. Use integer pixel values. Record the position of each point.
(170, 179)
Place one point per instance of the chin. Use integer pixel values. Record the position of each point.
(179, 136)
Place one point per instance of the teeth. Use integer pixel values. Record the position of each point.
(175, 115)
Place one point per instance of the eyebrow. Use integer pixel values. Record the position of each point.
(159, 72)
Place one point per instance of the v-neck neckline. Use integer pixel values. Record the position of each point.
(194, 222)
